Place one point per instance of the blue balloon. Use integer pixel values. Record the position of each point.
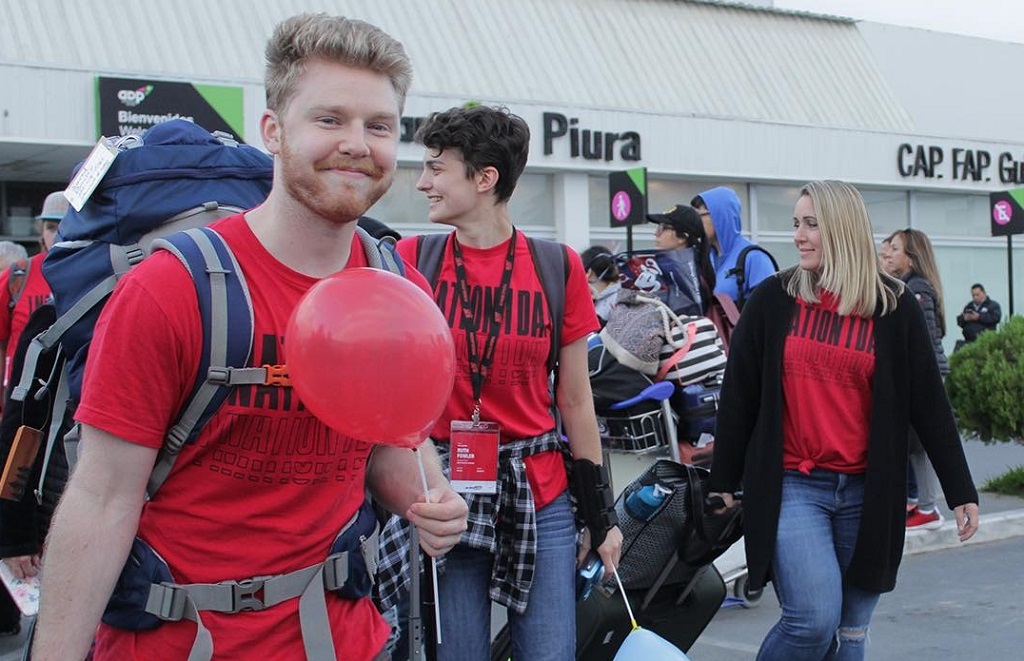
(642, 645)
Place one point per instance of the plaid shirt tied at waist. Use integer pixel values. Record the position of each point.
(503, 524)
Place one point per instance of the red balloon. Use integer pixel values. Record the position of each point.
(371, 355)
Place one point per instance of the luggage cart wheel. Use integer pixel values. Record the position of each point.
(748, 598)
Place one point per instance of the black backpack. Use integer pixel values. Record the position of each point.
(739, 271)
(550, 259)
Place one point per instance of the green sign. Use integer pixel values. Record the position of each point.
(627, 197)
(1007, 212)
(127, 106)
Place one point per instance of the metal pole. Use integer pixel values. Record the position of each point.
(415, 599)
(1009, 267)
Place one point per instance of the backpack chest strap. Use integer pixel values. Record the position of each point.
(267, 375)
(177, 602)
(168, 600)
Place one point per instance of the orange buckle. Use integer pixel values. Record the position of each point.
(277, 375)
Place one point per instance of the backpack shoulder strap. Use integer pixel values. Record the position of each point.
(429, 251)
(551, 260)
(16, 278)
(739, 270)
(381, 254)
(225, 309)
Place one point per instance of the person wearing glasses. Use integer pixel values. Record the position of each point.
(680, 231)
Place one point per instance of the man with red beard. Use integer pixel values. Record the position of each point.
(237, 509)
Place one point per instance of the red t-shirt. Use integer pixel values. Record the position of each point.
(827, 370)
(516, 393)
(35, 292)
(266, 487)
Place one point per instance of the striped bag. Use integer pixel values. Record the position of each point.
(693, 353)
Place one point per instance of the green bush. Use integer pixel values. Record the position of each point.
(986, 384)
(1010, 483)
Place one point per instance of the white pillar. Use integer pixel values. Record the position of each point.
(572, 209)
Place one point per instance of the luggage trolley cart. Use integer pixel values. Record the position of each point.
(638, 431)
(642, 424)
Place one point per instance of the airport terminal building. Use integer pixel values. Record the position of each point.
(700, 93)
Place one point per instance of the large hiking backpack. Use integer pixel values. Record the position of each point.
(176, 176)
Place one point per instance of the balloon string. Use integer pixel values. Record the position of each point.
(433, 561)
(622, 591)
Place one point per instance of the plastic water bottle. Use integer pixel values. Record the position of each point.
(643, 503)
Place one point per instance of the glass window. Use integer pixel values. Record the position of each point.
(887, 208)
(944, 214)
(23, 200)
(403, 206)
(533, 203)
(782, 249)
(775, 207)
(662, 194)
(962, 266)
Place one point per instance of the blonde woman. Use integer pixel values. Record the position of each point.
(829, 365)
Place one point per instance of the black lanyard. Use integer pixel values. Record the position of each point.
(480, 364)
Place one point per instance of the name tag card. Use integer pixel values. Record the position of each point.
(474, 458)
(90, 174)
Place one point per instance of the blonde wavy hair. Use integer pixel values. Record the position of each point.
(348, 41)
(849, 264)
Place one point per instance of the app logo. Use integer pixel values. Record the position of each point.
(132, 98)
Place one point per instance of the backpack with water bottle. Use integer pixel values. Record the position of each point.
(667, 533)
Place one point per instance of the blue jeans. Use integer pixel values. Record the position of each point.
(546, 631)
(823, 617)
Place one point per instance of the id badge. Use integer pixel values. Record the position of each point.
(474, 456)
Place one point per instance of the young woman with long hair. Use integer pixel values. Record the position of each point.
(828, 367)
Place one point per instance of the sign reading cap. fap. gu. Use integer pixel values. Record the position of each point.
(1007, 212)
(129, 106)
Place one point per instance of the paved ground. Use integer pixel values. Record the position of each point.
(953, 601)
(961, 604)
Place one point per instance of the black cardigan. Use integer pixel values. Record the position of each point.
(907, 389)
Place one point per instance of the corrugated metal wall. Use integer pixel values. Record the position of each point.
(657, 56)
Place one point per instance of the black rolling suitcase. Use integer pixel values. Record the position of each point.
(677, 613)
(669, 543)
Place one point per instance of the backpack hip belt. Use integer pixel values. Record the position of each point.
(348, 571)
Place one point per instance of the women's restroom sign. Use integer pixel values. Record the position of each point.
(1007, 212)
(627, 197)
